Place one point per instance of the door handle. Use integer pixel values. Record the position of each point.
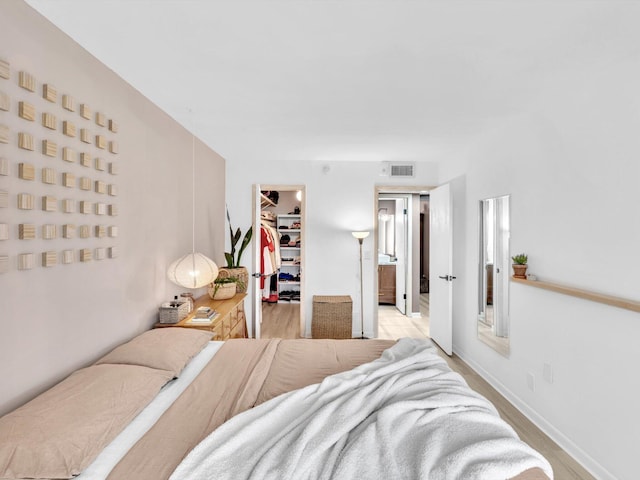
(448, 278)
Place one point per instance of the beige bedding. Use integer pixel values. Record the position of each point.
(243, 374)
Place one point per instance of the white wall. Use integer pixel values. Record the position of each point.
(58, 319)
(337, 203)
(570, 162)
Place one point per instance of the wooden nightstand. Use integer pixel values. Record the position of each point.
(229, 323)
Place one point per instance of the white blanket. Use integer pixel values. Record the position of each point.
(403, 416)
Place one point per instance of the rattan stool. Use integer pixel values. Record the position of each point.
(332, 317)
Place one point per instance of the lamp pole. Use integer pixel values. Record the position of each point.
(360, 236)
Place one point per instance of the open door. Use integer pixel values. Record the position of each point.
(401, 254)
(440, 272)
(257, 271)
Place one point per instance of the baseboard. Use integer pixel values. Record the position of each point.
(415, 315)
(591, 465)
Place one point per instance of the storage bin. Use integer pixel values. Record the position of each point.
(332, 316)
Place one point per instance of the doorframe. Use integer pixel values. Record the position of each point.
(388, 189)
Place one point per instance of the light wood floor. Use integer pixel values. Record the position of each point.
(280, 320)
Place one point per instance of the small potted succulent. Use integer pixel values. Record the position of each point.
(520, 265)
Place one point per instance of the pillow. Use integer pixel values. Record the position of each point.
(60, 432)
(168, 349)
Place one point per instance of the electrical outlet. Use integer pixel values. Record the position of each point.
(531, 381)
(547, 372)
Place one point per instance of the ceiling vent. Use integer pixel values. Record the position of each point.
(402, 170)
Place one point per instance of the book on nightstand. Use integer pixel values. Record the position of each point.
(204, 320)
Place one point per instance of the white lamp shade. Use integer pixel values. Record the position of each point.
(194, 270)
(360, 235)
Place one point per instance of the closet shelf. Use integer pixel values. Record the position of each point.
(627, 304)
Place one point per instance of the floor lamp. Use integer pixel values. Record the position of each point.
(360, 236)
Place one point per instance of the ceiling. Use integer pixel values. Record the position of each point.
(340, 80)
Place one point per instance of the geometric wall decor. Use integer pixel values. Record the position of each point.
(85, 207)
(26, 171)
(49, 259)
(49, 120)
(68, 230)
(49, 93)
(113, 168)
(100, 187)
(68, 154)
(85, 111)
(100, 231)
(101, 119)
(68, 180)
(100, 253)
(26, 231)
(68, 103)
(25, 261)
(4, 69)
(113, 190)
(26, 111)
(85, 255)
(113, 252)
(4, 166)
(99, 164)
(113, 147)
(113, 210)
(4, 231)
(49, 204)
(113, 231)
(5, 102)
(68, 205)
(27, 81)
(101, 208)
(69, 129)
(49, 176)
(4, 264)
(25, 201)
(85, 183)
(4, 134)
(25, 141)
(85, 159)
(85, 135)
(49, 148)
(113, 126)
(101, 142)
(67, 256)
(49, 231)
(84, 231)
(4, 199)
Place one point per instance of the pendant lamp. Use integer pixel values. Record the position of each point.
(193, 270)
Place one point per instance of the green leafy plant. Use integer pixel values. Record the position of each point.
(218, 282)
(520, 259)
(233, 261)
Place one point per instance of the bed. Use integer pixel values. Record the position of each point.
(170, 404)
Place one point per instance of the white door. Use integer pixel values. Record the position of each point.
(440, 271)
(257, 270)
(401, 254)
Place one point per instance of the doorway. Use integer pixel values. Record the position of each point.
(279, 223)
(402, 245)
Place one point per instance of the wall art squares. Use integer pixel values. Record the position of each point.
(113, 231)
(68, 103)
(101, 119)
(26, 171)
(113, 190)
(5, 69)
(68, 180)
(85, 159)
(49, 259)
(85, 111)
(100, 253)
(49, 121)
(4, 263)
(85, 207)
(49, 204)
(68, 205)
(26, 111)
(113, 210)
(26, 231)
(4, 231)
(84, 231)
(4, 134)
(5, 102)
(68, 128)
(68, 154)
(113, 126)
(27, 81)
(113, 252)
(113, 147)
(49, 148)
(49, 231)
(100, 164)
(49, 176)
(26, 201)
(84, 183)
(49, 93)
(68, 230)
(100, 231)
(101, 209)
(4, 199)
(4, 167)
(25, 261)
(100, 187)
(85, 135)
(85, 255)
(67, 256)
(25, 140)
(113, 168)
(101, 142)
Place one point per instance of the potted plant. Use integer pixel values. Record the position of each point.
(233, 268)
(519, 265)
(225, 287)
